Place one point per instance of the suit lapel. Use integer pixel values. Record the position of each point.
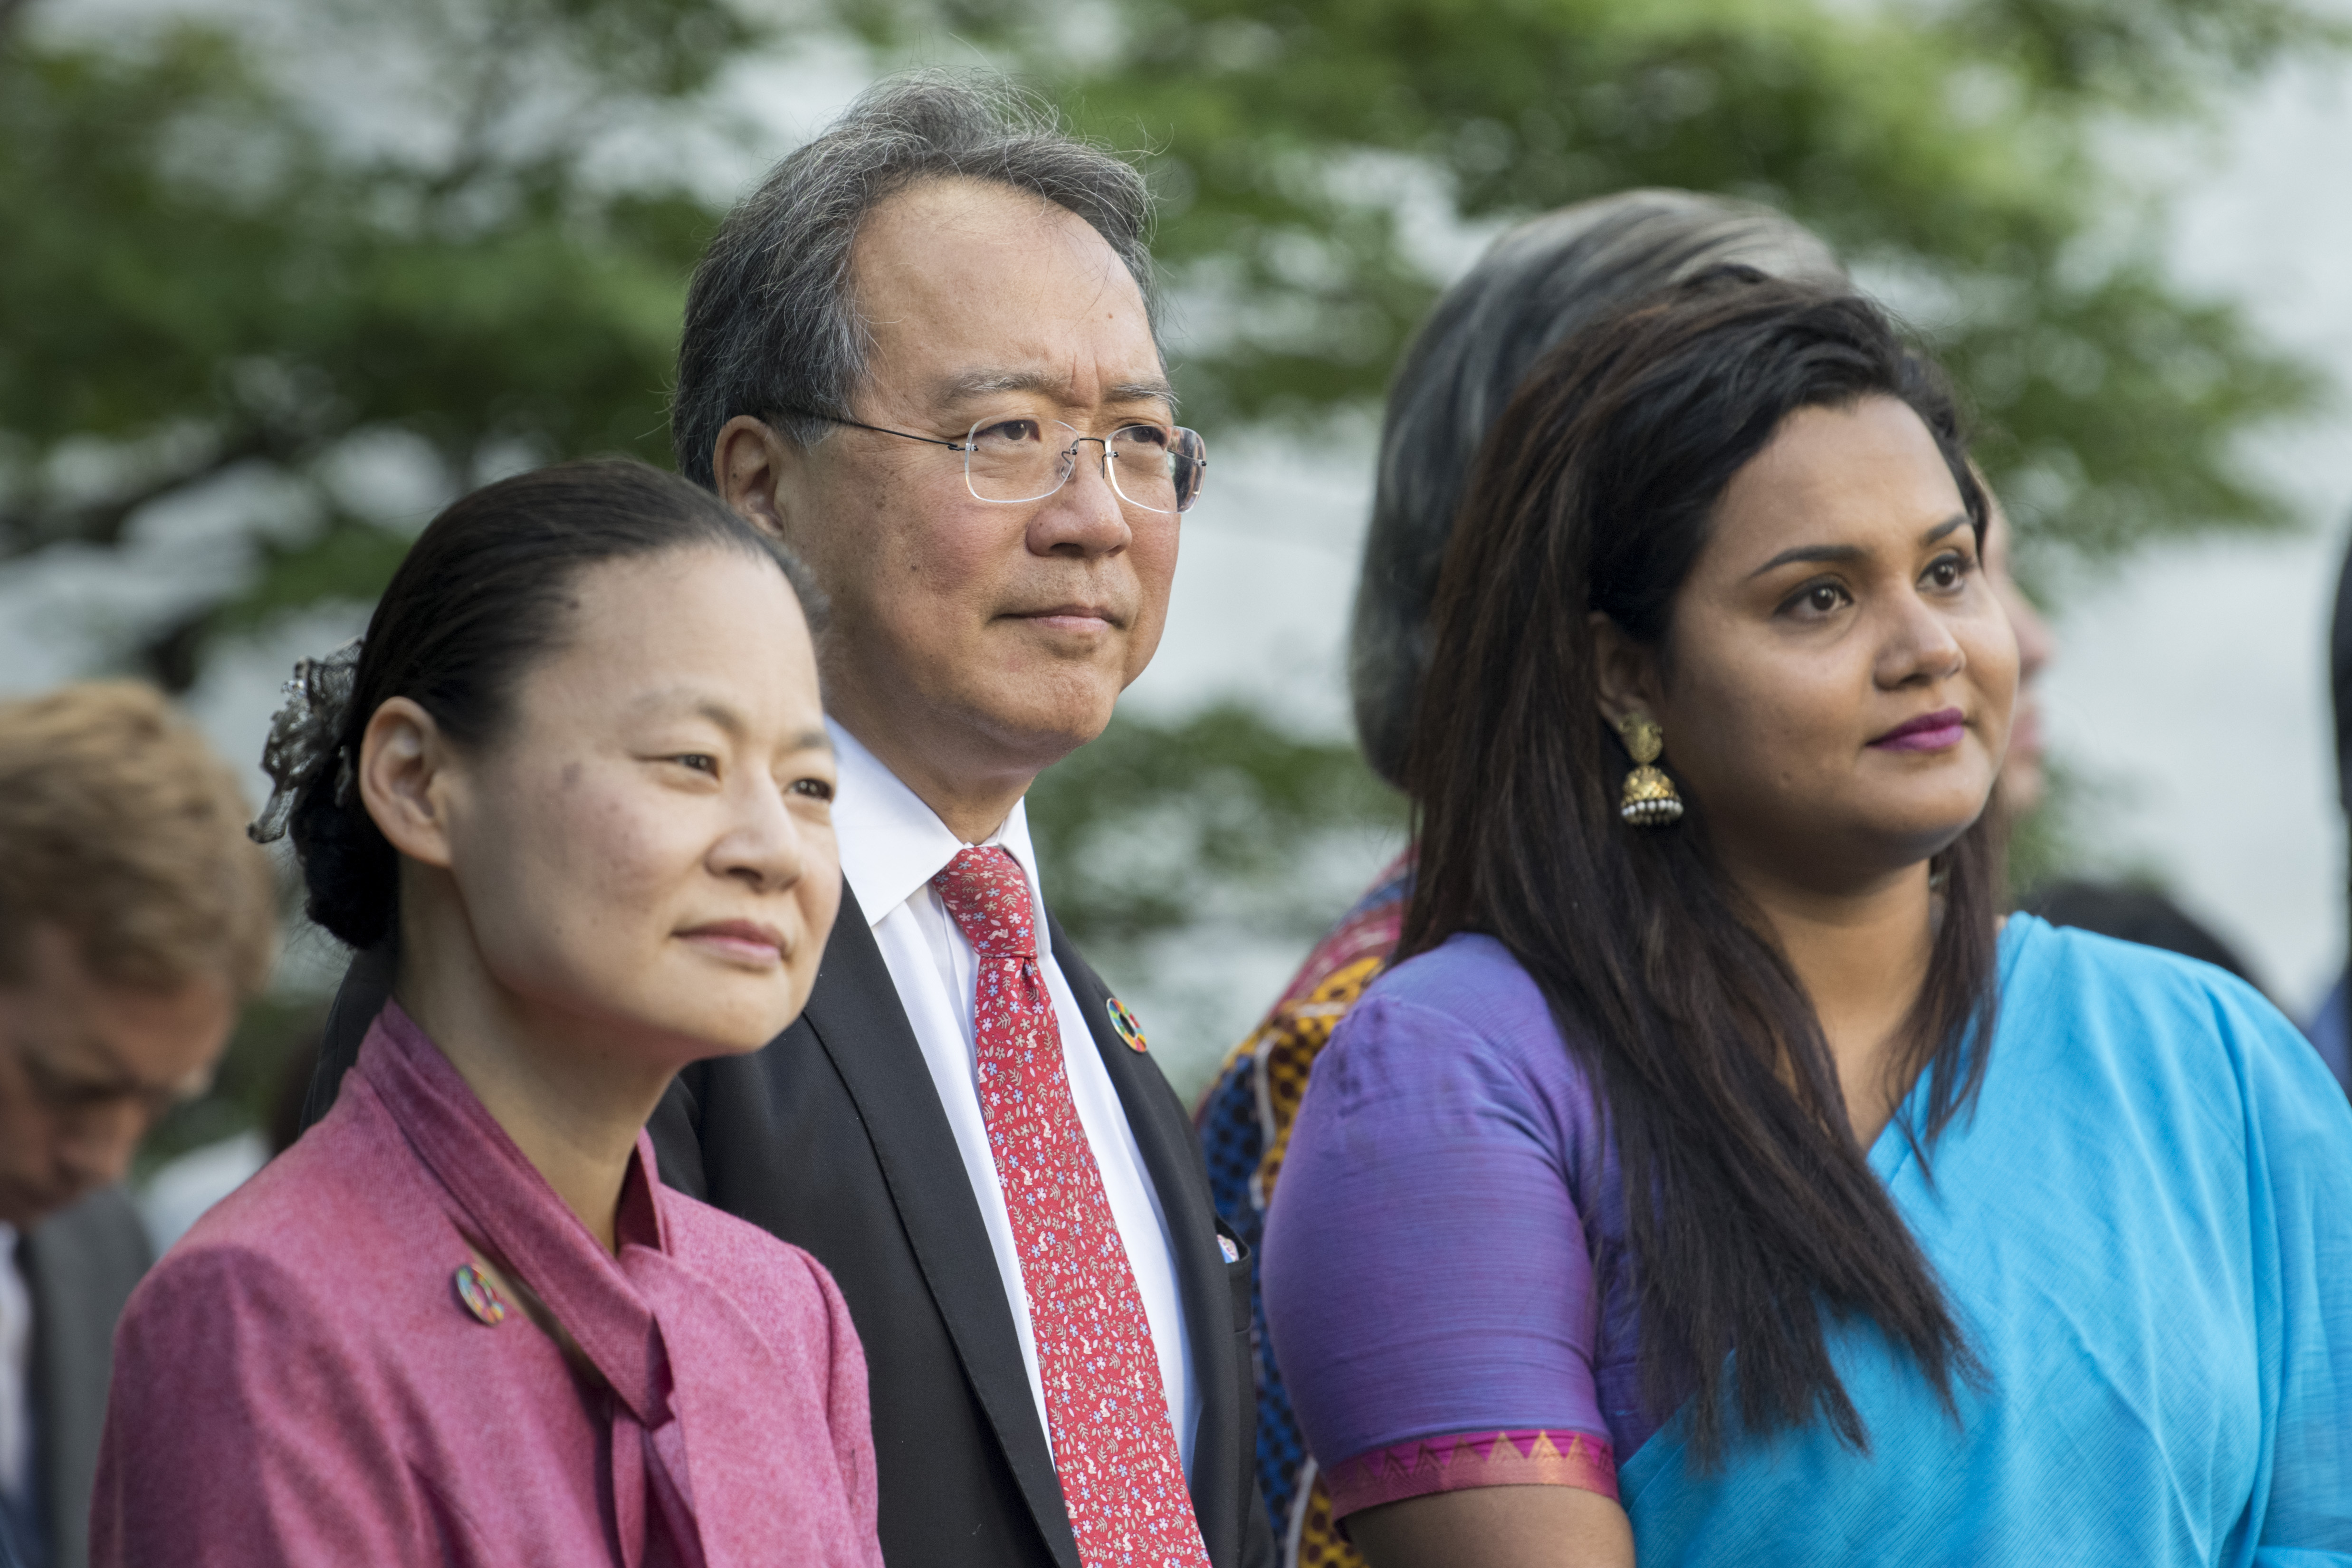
(855, 1013)
(1171, 1157)
(81, 1265)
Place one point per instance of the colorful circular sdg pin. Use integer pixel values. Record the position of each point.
(479, 1297)
(1124, 1022)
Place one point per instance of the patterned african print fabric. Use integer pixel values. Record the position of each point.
(1107, 1409)
(1244, 1125)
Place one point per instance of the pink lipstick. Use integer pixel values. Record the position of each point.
(1928, 733)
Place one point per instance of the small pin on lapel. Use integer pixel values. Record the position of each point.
(1124, 1022)
(480, 1299)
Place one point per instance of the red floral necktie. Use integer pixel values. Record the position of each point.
(1104, 1404)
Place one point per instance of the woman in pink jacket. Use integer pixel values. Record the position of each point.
(579, 767)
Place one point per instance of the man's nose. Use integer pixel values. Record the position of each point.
(1086, 517)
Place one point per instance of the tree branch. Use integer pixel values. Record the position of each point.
(26, 529)
(490, 100)
(12, 14)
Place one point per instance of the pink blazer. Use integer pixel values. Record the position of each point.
(302, 1381)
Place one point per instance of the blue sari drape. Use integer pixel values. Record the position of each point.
(2146, 1228)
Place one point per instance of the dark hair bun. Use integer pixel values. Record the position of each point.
(350, 872)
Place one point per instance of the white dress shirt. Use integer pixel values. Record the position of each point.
(15, 1373)
(892, 845)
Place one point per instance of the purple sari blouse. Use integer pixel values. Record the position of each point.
(1445, 1262)
(2143, 1223)
(302, 1378)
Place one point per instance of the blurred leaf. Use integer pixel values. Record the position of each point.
(1217, 817)
(345, 555)
(2146, 53)
(199, 285)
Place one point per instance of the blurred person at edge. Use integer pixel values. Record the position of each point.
(2128, 911)
(135, 918)
(1717, 1177)
(2331, 1026)
(2023, 783)
(580, 763)
(922, 353)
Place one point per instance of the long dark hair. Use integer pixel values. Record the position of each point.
(1751, 1210)
(483, 594)
(1537, 286)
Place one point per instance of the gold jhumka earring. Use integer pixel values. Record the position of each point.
(1650, 798)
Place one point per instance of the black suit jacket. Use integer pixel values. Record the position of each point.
(832, 1137)
(81, 1265)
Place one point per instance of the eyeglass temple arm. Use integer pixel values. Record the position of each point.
(878, 429)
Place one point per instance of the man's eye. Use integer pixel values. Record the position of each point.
(67, 1092)
(700, 762)
(815, 789)
(1009, 433)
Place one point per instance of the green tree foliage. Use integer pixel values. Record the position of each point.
(202, 282)
(1952, 153)
(198, 284)
(207, 280)
(1217, 816)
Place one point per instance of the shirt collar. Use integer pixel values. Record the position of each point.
(892, 845)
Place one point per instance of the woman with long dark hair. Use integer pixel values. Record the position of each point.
(579, 771)
(1536, 285)
(1716, 1173)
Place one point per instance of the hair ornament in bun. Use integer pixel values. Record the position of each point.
(304, 733)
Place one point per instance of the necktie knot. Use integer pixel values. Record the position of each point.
(988, 898)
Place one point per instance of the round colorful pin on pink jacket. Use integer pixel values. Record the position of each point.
(480, 1298)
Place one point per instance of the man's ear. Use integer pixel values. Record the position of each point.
(404, 780)
(758, 474)
(1625, 673)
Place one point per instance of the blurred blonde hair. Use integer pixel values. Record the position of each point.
(122, 826)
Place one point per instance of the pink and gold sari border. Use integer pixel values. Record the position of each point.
(1459, 1462)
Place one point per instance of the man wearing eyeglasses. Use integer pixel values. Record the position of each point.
(922, 354)
(135, 917)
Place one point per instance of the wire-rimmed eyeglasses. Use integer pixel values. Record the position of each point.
(1021, 457)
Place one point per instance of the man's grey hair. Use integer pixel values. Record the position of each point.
(1535, 285)
(773, 327)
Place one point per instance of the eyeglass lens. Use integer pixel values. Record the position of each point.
(1159, 468)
